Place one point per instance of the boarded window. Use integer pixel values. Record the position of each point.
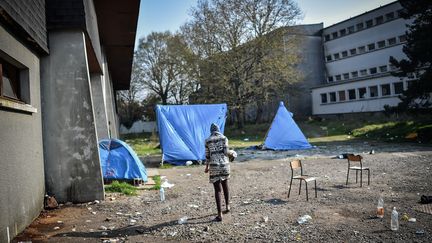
(342, 95)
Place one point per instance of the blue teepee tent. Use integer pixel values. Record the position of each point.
(119, 161)
(184, 128)
(284, 134)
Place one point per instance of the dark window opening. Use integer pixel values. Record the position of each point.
(390, 16)
(332, 96)
(338, 77)
(373, 91)
(385, 89)
(329, 58)
(362, 93)
(369, 23)
(379, 20)
(327, 37)
(371, 47)
(381, 44)
(391, 41)
(351, 94)
(353, 51)
(344, 54)
(360, 26)
(323, 98)
(354, 74)
(330, 79)
(335, 35)
(346, 75)
(383, 69)
(342, 95)
(350, 29)
(9, 81)
(372, 70)
(342, 32)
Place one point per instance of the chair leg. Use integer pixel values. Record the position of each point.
(356, 175)
(289, 191)
(347, 177)
(368, 177)
(307, 192)
(315, 190)
(300, 186)
(361, 178)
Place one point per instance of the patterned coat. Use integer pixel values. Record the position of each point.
(216, 148)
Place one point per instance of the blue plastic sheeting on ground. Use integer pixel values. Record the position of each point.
(284, 134)
(119, 161)
(184, 128)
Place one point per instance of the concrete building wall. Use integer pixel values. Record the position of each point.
(72, 166)
(99, 106)
(299, 101)
(21, 158)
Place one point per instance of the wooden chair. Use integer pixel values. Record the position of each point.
(295, 165)
(357, 159)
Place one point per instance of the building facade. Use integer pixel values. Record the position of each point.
(61, 63)
(358, 72)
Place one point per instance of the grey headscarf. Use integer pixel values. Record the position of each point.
(214, 128)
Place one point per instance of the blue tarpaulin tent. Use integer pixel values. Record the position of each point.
(119, 161)
(284, 134)
(184, 128)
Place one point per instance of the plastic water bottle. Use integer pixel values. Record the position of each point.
(380, 208)
(394, 220)
(162, 194)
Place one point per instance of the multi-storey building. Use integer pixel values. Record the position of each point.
(356, 56)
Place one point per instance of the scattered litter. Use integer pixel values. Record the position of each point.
(88, 221)
(405, 217)
(189, 162)
(372, 152)
(119, 213)
(111, 228)
(132, 222)
(303, 219)
(89, 208)
(182, 220)
(420, 232)
(166, 184)
(56, 228)
(246, 139)
(93, 213)
(59, 222)
(246, 202)
(102, 227)
(242, 214)
(191, 229)
(96, 201)
(298, 237)
(138, 213)
(193, 206)
(356, 232)
(73, 229)
(207, 228)
(104, 233)
(265, 219)
(188, 175)
(412, 220)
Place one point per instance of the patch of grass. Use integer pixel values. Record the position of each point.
(157, 181)
(166, 166)
(122, 187)
(143, 143)
(393, 131)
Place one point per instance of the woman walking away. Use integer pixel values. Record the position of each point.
(217, 163)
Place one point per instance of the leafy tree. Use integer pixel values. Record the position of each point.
(419, 55)
(241, 47)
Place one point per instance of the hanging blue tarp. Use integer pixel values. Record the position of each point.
(284, 134)
(119, 161)
(184, 128)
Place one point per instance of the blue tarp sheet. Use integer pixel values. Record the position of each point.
(119, 161)
(184, 128)
(284, 134)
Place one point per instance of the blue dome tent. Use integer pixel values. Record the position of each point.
(184, 128)
(119, 161)
(284, 134)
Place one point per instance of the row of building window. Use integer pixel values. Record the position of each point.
(363, 25)
(370, 47)
(361, 73)
(363, 92)
(9, 81)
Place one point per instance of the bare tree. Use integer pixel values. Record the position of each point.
(241, 46)
(163, 67)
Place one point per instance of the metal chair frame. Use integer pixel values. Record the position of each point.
(357, 159)
(295, 164)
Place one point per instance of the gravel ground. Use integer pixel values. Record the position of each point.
(261, 211)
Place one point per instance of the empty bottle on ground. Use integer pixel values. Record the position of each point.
(394, 220)
(380, 208)
(162, 194)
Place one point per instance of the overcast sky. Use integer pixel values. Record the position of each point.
(162, 15)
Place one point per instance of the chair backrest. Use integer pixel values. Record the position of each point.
(296, 164)
(354, 158)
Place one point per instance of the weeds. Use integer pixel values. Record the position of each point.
(121, 187)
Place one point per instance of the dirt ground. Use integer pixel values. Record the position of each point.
(261, 211)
